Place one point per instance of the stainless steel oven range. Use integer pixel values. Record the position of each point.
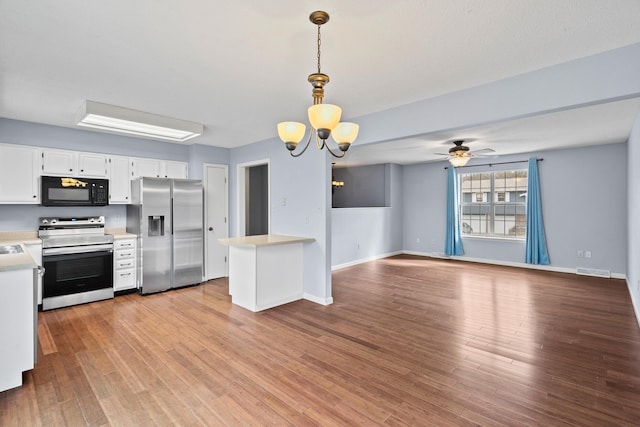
(78, 261)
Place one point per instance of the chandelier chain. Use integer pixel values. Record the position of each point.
(319, 72)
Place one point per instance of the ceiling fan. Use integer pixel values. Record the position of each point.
(460, 154)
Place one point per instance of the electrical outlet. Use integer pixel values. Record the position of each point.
(587, 254)
(580, 254)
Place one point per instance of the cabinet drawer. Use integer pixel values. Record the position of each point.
(124, 254)
(125, 263)
(125, 279)
(124, 244)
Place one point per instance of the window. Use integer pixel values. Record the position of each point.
(493, 203)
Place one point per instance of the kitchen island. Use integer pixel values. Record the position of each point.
(18, 321)
(266, 270)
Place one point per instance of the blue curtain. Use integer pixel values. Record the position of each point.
(535, 242)
(453, 245)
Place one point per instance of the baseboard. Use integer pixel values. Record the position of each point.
(318, 300)
(363, 260)
(507, 263)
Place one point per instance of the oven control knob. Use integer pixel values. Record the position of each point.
(45, 221)
(53, 221)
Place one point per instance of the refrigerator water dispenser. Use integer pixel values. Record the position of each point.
(156, 225)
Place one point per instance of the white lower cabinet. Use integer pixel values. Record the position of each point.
(124, 264)
(17, 326)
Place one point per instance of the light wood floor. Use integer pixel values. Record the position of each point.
(408, 341)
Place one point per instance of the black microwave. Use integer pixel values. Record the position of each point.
(66, 191)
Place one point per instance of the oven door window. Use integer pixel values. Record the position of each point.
(75, 273)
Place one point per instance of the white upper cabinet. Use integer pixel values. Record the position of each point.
(58, 162)
(175, 169)
(119, 180)
(159, 168)
(71, 163)
(93, 165)
(147, 167)
(19, 174)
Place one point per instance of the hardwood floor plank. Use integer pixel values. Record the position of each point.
(409, 341)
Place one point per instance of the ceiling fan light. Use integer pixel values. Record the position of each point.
(324, 116)
(459, 161)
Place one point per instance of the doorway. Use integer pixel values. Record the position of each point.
(253, 198)
(216, 224)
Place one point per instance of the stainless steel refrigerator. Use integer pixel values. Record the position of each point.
(167, 216)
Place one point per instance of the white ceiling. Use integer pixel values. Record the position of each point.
(239, 67)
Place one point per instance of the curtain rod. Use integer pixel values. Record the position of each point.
(491, 164)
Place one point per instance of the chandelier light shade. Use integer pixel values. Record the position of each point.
(344, 134)
(291, 133)
(324, 118)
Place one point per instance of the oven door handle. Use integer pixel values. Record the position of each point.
(77, 249)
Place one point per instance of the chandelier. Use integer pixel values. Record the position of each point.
(324, 118)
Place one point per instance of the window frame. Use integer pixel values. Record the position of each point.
(489, 204)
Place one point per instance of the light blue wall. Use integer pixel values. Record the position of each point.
(633, 216)
(584, 201)
(200, 154)
(300, 204)
(25, 217)
(361, 234)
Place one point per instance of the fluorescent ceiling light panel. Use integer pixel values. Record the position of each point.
(113, 119)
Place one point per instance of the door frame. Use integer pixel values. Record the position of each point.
(242, 169)
(205, 167)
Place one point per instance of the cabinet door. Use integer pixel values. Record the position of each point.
(19, 174)
(93, 165)
(175, 169)
(58, 162)
(147, 167)
(119, 180)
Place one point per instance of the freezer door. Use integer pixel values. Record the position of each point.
(156, 235)
(188, 249)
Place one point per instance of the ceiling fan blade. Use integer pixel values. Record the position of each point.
(484, 151)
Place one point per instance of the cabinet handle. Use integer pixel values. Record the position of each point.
(70, 170)
(81, 170)
(34, 196)
(125, 275)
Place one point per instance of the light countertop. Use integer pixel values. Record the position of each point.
(15, 237)
(264, 240)
(19, 261)
(119, 233)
